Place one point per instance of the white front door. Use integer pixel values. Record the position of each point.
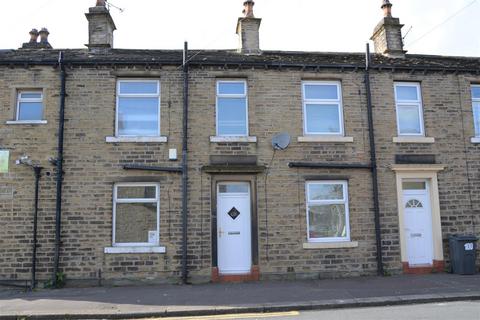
(418, 223)
(234, 240)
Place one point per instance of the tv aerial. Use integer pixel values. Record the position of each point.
(109, 4)
(281, 141)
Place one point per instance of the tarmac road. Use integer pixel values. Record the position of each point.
(468, 310)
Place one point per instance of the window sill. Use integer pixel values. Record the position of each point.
(475, 140)
(330, 245)
(325, 139)
(135, 250)
(136, 139)
(19, 122)
(413, 139)
(217, 139)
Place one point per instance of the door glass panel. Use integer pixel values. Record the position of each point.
(414, 185)
(414, 203)
(233, 188)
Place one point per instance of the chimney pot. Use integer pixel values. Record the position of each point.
(387, 8)
(44, 35)
(248, 9)
(34, 36)
(34, 44)
(100, 3)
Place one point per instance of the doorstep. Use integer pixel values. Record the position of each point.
(436, 267)
(254, 275)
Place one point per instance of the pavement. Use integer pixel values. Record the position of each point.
(231, 298)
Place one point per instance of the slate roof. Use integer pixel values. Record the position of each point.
(231, 57)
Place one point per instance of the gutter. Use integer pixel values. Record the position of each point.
(237, 64)
(149, 168)
(59, 164)
(185, 166)
(329, 165)
(373, 161)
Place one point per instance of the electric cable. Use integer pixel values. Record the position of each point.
(442, 23)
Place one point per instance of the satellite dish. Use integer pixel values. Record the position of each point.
(281, 141)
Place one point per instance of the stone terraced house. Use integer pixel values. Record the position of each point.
(158, 166)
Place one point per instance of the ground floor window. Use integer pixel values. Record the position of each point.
(136, 214)
(327, 211)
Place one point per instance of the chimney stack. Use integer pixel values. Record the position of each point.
(387, 36)
(248, 30)
(34, 44)
(100, 27)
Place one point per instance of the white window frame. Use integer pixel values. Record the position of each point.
(141, 200)
(412, 103)
(245, 95)
(338, 101)
(327, 202)
(476, 114)
(20, 100)
(146, 95)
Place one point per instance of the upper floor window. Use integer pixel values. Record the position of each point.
(476, 108)
(232, 108)
(327, 211)
(409, 109)
(322, 108)
(138, 108)
(29, 105)
(136, 214)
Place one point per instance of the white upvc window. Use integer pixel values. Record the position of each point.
(408, 99)
(232, 108)
(476, 108)
(322, 108)
(136, 215)
(29, 105)
(138, 108)
(327, 211)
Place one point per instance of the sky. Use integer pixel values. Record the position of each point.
(298, 25)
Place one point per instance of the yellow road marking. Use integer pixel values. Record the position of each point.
(237, 316)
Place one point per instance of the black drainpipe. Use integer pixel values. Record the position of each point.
(373, 159)
(59, 164)
(185, 167)
(37, 171)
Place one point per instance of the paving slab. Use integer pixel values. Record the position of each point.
(211, 299)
